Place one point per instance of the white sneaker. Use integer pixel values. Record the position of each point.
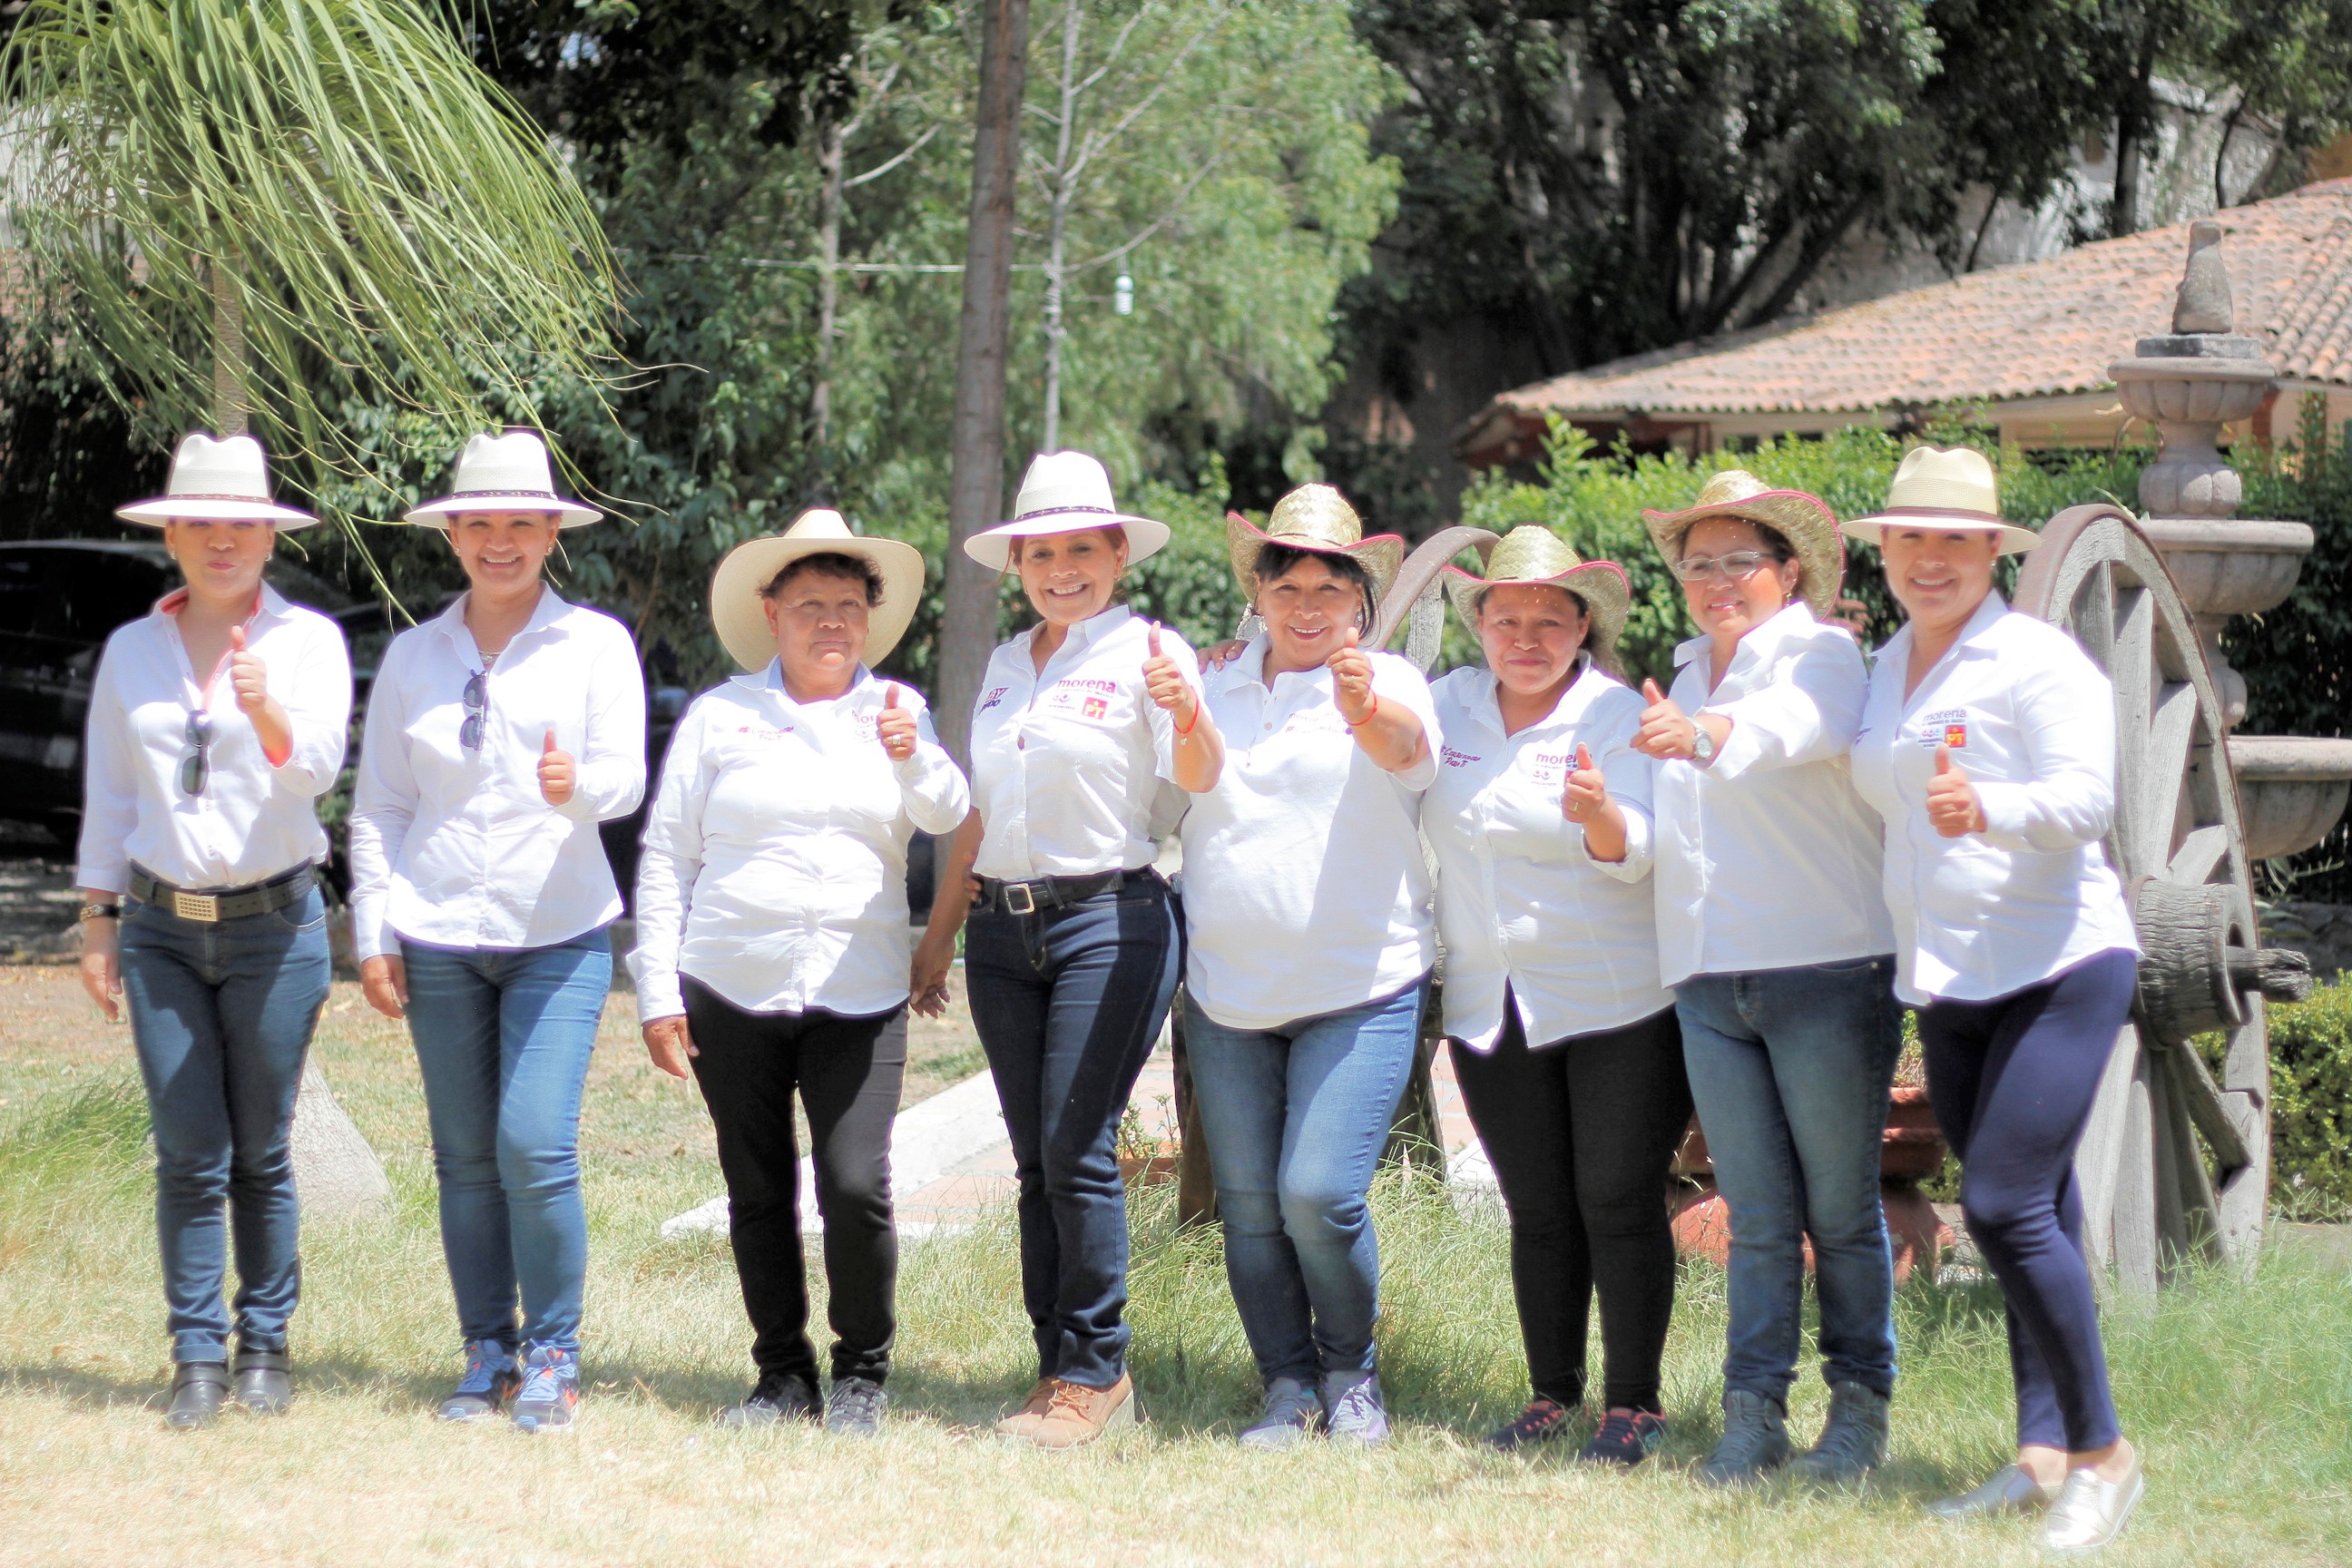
(2089, 1511)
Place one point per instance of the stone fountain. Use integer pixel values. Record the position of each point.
(2188, 383)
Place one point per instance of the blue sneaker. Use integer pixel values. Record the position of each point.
(550, 1400)
(489, 1382)
(1354, 1410)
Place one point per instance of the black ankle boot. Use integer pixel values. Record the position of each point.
(199, 1388)
(262, 1385)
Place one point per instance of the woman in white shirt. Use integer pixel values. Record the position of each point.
(1565, 1045)
(499, 733)
(1989, 746)
(215, 722)
(772, 948)
(1310, 944)
(1774, 937)
(1083, 723)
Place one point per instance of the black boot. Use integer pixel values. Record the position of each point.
(199, 1388)
(262, 1387)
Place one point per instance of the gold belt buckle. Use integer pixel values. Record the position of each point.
(202, 907)
(1028, 904)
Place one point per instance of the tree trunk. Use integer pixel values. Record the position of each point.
(1057, 236)
(2134, 126)
(976, 482)
(336, 1171)
(828, 285)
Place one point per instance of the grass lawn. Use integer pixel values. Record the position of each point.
(2240, 1393)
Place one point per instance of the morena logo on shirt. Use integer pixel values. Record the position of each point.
(1950, 728)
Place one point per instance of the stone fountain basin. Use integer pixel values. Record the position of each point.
(2191, 391)
(2291, 790)
(2225, 566)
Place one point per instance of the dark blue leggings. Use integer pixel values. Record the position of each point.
(2012, 1081)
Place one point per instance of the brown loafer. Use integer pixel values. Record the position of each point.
(1022, 1422)
(1077, 1414)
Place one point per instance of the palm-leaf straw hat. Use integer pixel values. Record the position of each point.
(1318, 520)
(510, 472)
(1534, 555)
(736, 611)
(1809, 526)
(1944, 486)
(223, 481)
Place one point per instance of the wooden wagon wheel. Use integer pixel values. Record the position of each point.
(2173, 1165)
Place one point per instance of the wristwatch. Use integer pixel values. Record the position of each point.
(1702, 743)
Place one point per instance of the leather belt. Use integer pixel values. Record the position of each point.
(1054, 893)
(223, 903)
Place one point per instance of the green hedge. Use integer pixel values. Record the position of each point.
(2311, 1104)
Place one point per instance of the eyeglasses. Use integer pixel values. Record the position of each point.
(196, 767)
(1737, 567)
(478, 703)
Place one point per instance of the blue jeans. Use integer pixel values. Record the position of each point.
(2012, 1080)
(1294, 1117)
(503, 1036)
(1068, 1003)
(1789, 1071)
(221, 1015)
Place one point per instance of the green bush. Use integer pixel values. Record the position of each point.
(2311, 1104)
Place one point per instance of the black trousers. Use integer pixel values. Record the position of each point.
(1580, 1134)
(848, 1072)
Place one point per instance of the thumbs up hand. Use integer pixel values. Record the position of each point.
(1352, 680)
(1953, 806)
(1585, 792)
(558, 777)
(1166, 683)
(1666, 730)
(895, 727)
(248, 678)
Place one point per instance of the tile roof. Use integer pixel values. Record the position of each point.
(2035, 330)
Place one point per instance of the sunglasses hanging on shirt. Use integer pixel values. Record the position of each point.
(196, 767)
(478, 703)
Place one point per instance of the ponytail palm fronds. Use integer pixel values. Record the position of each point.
(299, 203)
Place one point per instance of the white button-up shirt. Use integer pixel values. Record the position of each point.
(2031, 721)
(1766, 858)
(453, 847)
(252, 820)
(1520, 904)
(1305, 890)
(1068, 763)
(775, 861)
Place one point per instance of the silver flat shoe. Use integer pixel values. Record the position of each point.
(2009, 1491)
(2091, 1512)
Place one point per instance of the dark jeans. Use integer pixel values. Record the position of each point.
(848, 1072)
(503, 1037)
(1580, 1134)
(2012, 1080)
(221, 1014)
(1068, 1003)
(1294, 1117)
(1790, 1069)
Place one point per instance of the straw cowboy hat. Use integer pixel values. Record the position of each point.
(503, 473)
(1533, 555)
(736, 609)
(1318, 520)
(215, 481)
(1064, 492)
(1944, 486)
(1811, 529)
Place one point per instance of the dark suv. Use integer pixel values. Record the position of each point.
(59, 599)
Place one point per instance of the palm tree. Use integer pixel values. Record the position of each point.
(252, 212)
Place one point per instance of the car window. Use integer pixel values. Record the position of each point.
(21, 575)
(94, 592)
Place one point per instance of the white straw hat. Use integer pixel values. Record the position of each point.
(225, 481)
(1944, 486)
(1064, 492)
(503, 473)
(736, 612)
